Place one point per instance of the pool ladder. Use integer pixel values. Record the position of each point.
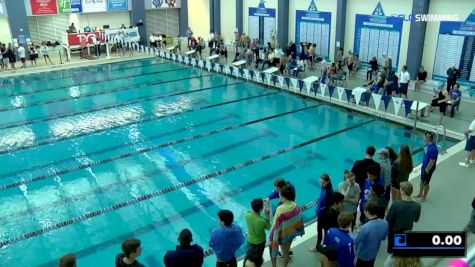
(438, 130)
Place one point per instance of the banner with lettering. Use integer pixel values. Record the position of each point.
(118, 5)
(76, 6)
(152, 4)
(90, 6)
(130, 35)
(44, 7)
(64, 6)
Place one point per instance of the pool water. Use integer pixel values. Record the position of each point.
(93, 156)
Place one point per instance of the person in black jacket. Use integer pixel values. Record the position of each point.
(373, 70)
(185, 254)
(452, 75)
(328, 218)
(360, 167)
(131, 251)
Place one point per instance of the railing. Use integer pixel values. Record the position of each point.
(443, 131)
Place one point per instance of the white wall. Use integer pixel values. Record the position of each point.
(113, 19)
(5, 36)
(198, 17)
(390, 7)
(255, 3)
(460, 7)
(322, 5)
(228, 20)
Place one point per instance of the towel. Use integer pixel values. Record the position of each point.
(288, 224)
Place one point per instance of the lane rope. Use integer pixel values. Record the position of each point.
(69, 98)
(125, 155)
(84, 83)
(153, 118)
(148, 196)
(101, 190)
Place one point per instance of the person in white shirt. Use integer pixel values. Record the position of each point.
(22, 55)
(159, 40)
(470, 146)
(44, 51)
(404, 80)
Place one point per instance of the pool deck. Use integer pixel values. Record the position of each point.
(451, 187)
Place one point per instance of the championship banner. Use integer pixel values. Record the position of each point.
(64, 6)
(118, 5)
(44, 7)
(74, 39)
(90, 6)
(131, 34)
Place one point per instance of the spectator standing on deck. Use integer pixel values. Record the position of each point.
(226, 240)
(470, 145)
(374, 177)
(352, 192)
(400, 171)
(185, 254)
(131, 251)
(256, 230)
(360, 167)
(404, 80)
(429, 163)
(452, 75)
(471, 223)
(402, 215)
(370, 236)
(385, 163)
(68, 260)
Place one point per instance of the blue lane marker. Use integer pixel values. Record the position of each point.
(105, 107)
(89, 82)
(146, 149)
(69, 98)
(145, 197)
(153, 118)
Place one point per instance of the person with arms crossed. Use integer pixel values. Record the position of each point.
(429, 162)
(226, 240)
(370, 236)
(352, 192)
(470, 145)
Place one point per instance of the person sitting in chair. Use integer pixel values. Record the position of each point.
(292, 64)
(455, 98)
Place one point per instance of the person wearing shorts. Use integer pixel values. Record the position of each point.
(429, 163)
(470, 145)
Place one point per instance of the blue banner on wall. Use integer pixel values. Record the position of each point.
(456, 45)
(262, 23)
(76, 6)
(117, 5)
(378, 36)
(313, 26)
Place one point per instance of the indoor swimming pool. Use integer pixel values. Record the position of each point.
(145, 148)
